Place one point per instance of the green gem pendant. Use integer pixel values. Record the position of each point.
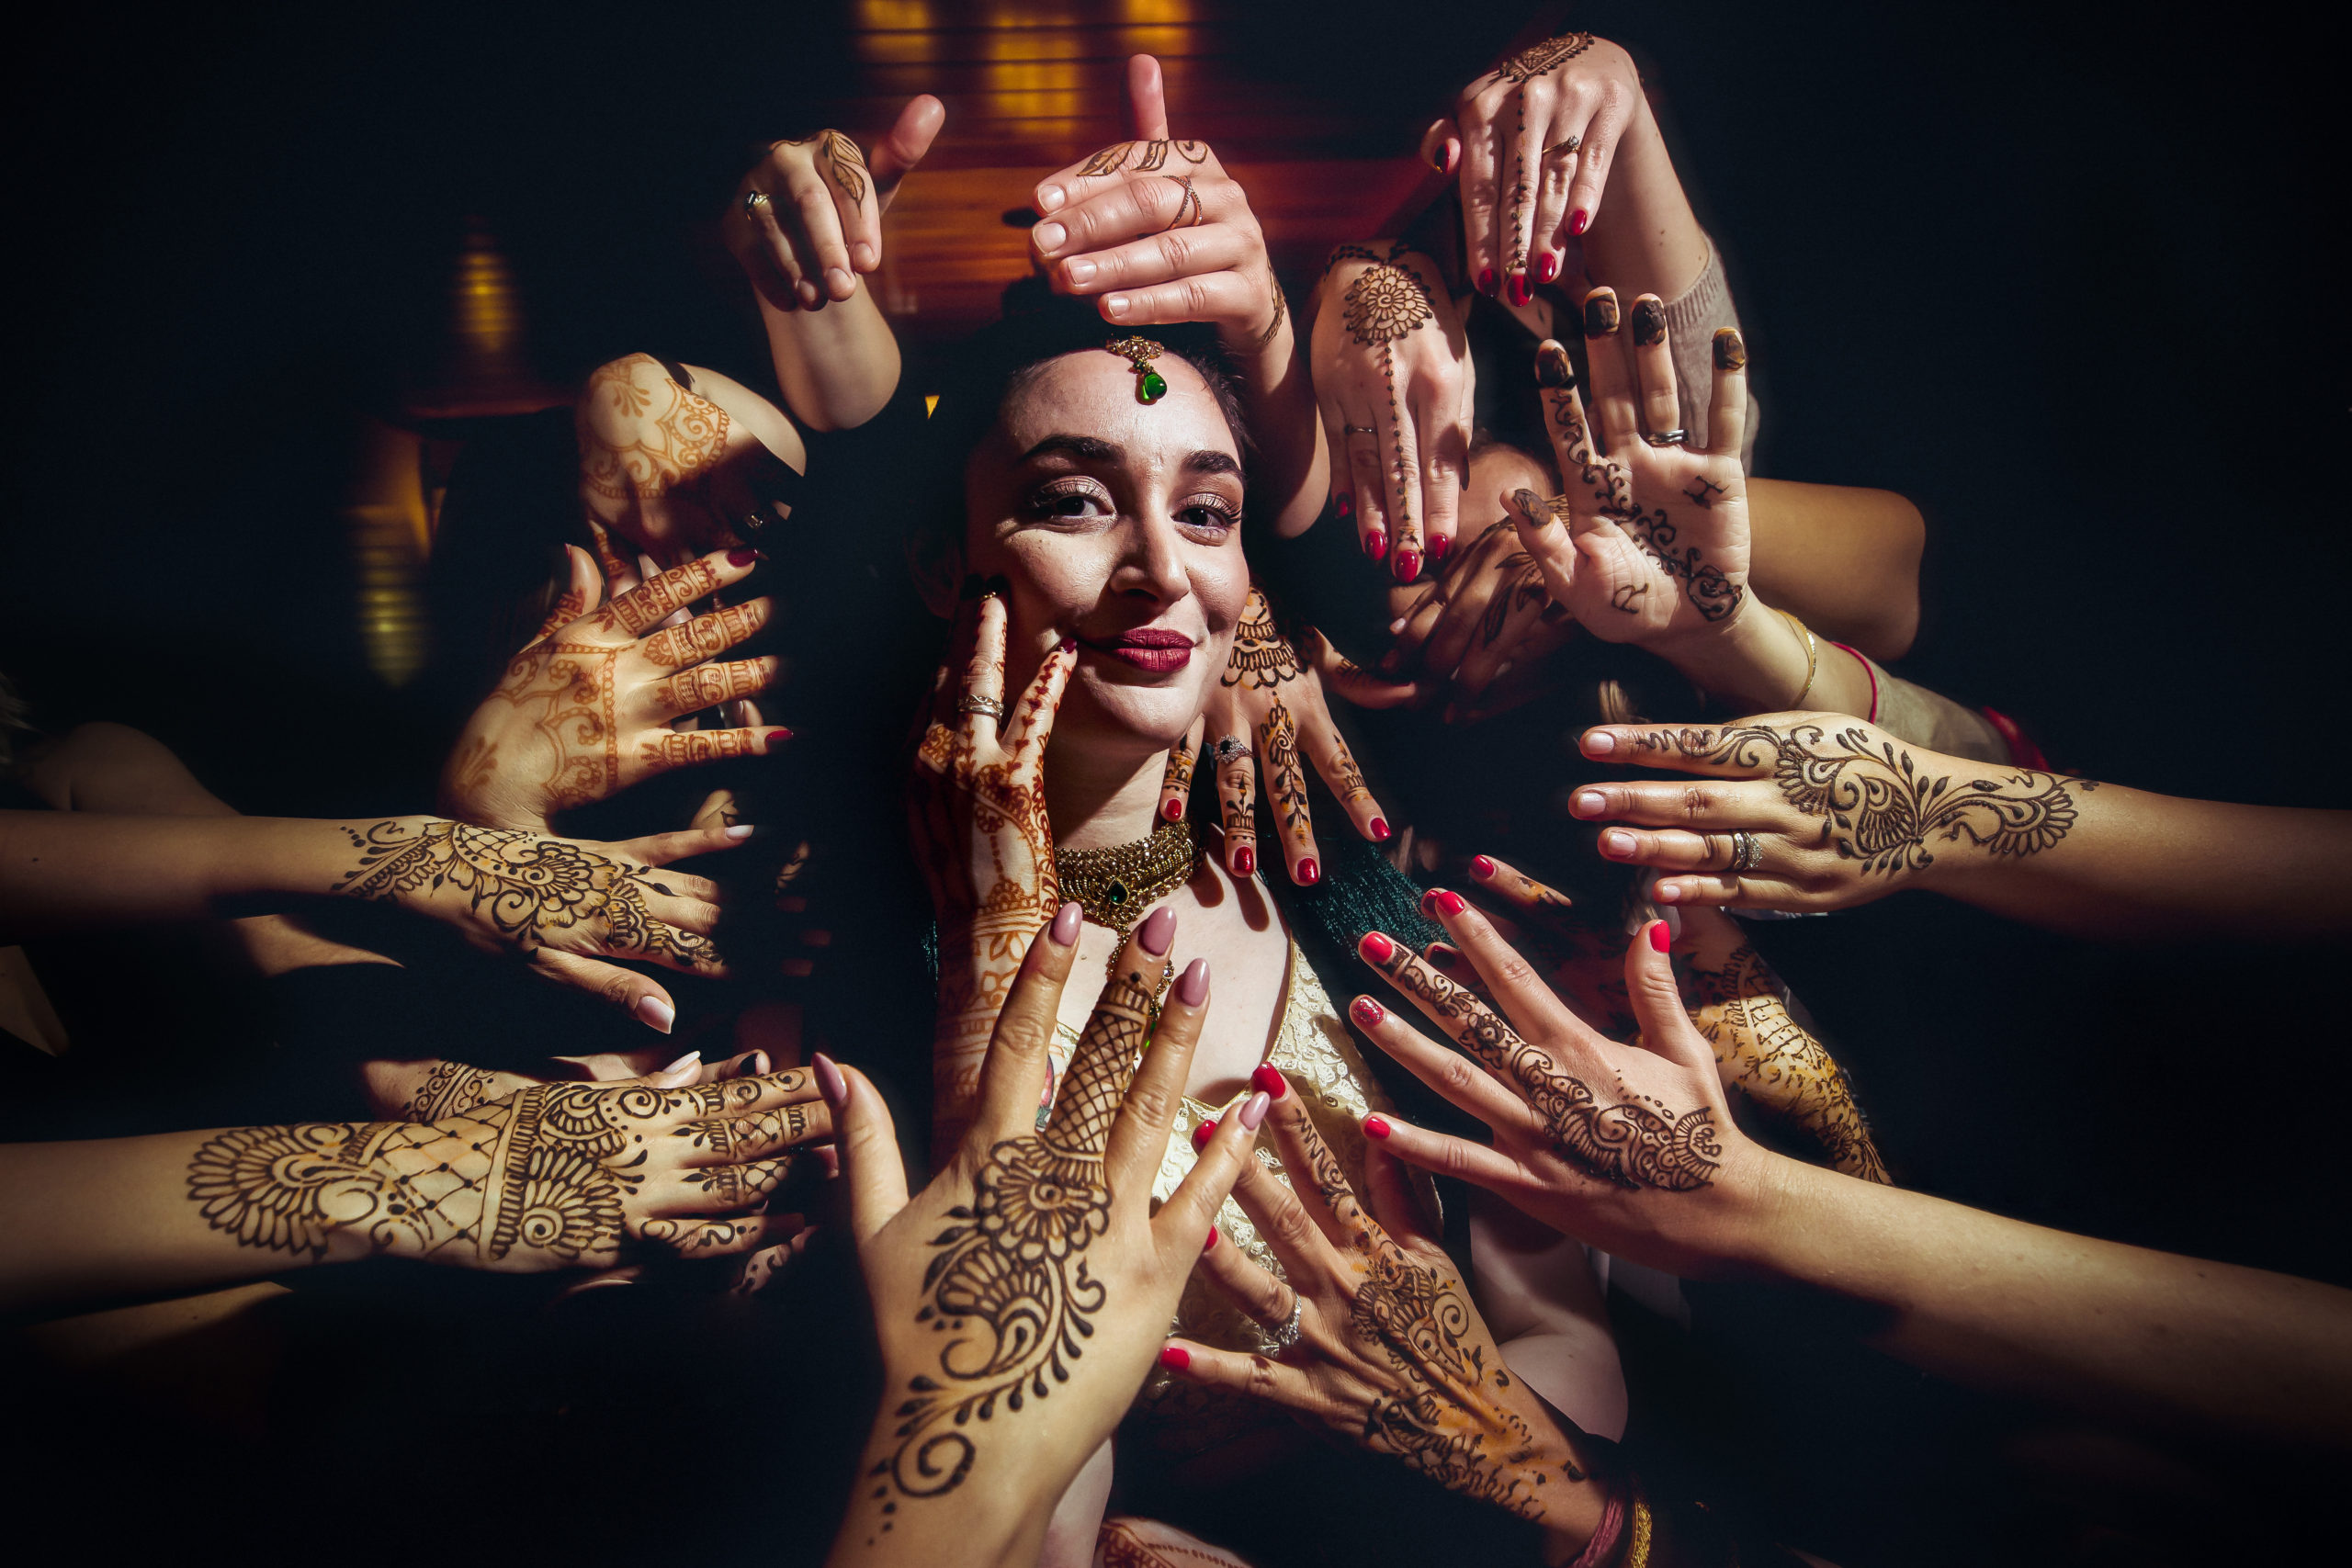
(1149, 386)
(1118, 894)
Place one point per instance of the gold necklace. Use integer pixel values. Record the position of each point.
(1114, 886)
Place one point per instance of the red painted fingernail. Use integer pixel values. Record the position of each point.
(741, 555)
(778, 737)
(1448, 903)
(1069, 644)
(1375, 1127)
(1175, 1358)
(1578, 220)
(1210, 1245)
(1308, 874)
(1547, 266)
(1268, 1079)
(1342, 506)
(1481, 867)
(1409, 565)
(1439, 544)
(1486, 281)
(1380, 829)
(1244, 862)
(1369, 1013)
(1429, 902)
(1376, 948)
(1376, 543)
(1203, 1133)
(1519, 292)
(1660, 938)
(1171, 808)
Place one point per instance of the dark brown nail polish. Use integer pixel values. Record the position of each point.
(1731, 349)
(1649, 323)
(1601, 313)
(1552, 366)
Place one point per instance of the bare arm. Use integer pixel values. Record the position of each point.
(1843, 559)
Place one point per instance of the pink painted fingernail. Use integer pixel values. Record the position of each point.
(1175, 1358)
(1268, 1077)
(1600, 743)
(1192, 988)
(658, 1015)
(1376, 948)
(691, 1058)
(741, 555)
(1066, 923)
(1375, 1127)
(1660, 938)
(830, 1082)
(1482, 868)
(1203, 1133)
(1254, 1110)
(1159, 931)
(1369, 1013)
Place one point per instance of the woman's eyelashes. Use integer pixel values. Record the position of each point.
(1208, 514)
(1076, 498)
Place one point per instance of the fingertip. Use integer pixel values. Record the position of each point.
(1175, 1358)
(656, 1013)
(1599, 743)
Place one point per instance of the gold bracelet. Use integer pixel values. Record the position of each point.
(1812, 659)
(1638, 1528)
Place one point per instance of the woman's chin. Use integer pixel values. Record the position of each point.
(1143, 716)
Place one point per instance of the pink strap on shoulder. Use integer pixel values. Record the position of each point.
(1868, 668)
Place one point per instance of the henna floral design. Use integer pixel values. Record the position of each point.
(1537, 59)
(1285, 780)
(1143, 157)
(1262, 657)
(1877, 807)
(1628, 1143)
(1010, 1291)
(1387, 302)
(1742, 1008)
(449, 1087)
(537, 1179)
(641, 434)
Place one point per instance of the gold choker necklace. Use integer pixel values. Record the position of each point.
(1114, 886)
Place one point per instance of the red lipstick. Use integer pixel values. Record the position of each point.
(1155, 649)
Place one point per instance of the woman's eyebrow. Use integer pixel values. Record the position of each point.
(1086, 448)
(1207, 462)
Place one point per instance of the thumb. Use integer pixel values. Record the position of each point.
(577, 593)
(1553, 553)
(1657, 1002)
(900, 151)
(1441, 145)
(1147, 99)
(869, 1143)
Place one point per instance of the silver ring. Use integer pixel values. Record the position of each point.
(988, 706)
(1359, 430)
(1280, 1339)
(1229, 747)
(1668, 437)
(1744, 853)
(753, 202)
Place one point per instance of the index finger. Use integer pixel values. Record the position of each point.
(1746, 750)
(650, 603)
(1095, 1086)
(1013, 1074)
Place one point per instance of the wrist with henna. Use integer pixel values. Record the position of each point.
(1739, 1005)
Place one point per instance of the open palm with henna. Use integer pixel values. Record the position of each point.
(584, 711)
(1648, 544)
(555, 1176)
(1625, 1147)
(1021, 1296)
(1390, 1351)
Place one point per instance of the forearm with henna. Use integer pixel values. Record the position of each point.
(1770, 1057)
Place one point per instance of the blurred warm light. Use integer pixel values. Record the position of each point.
(483, 310)
(930, 404)
(895, 16)
(1156, 13)
(391, 534)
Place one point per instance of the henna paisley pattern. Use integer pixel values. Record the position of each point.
(1742, 1008)
(1875, 805)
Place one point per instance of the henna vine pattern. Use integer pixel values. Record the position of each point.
(641, 434)
(1629, 1144)
(449, 1087)
(1743, 1011)
(846, 165)
(1010, 1291)
(1877, 807)
(1143, 157)
(1261, 657)
(1387, 302)
(1285, 781)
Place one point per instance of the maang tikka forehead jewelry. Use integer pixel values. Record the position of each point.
(1139, 352)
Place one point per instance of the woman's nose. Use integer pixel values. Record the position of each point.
(1154, 563)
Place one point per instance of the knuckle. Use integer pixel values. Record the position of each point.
(1289, 1223)
(1460, 1077)
(1698, 802)
(1515, 971)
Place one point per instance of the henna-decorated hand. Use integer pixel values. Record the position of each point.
(1487, 617)
(1020, 1297)
(1391, 1351)
(555, 1176)
(1840, 812)
(564, 904)
(1392, 379)
(1650, 543)
(978, 812)
(1158, 232)
(806, 220)
(1269, 707)
(584, 711)
(1536, 137)
(677, 467)
(1628, 1148)
(1766, 1055)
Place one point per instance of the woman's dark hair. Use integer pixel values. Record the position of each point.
(995, 363)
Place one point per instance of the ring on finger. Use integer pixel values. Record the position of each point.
(1674, 437)
(1231, 746)
(753, 202)
(1191, 202)
(1746, 852)
(1359, 430)
(974, 704)
(1277, 1340)
(1570, 145)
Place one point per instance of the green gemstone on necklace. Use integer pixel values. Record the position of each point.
(1149, 388)
(1117, 894)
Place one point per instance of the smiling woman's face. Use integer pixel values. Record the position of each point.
(1119, 524)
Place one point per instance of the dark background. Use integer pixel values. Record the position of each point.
(2069, 276)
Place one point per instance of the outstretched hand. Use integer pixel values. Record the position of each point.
(805, 222)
